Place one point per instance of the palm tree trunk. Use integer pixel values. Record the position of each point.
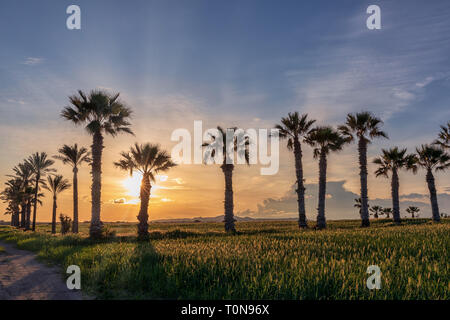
(362, 150)
(97, 149)
(23, 214)
(229, 206)
(321, 222)
(143, 212)
(300, 185)
(28, 219)
(54, 215)
(433, 196)
(75, 200)
(395, 198)
(36, 191)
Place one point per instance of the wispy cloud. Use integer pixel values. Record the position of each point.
(32, 61)
(16, 101)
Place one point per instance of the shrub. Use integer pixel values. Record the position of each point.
(66, 222)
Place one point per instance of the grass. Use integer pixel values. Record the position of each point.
(266, 260)
(2, 250)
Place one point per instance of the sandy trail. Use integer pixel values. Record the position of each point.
(22, 277)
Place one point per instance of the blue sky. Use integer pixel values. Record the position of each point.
(244, 63)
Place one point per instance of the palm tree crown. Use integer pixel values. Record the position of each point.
(394, 159)
(100, 111)
(432, 158)
(73, 155)
(324, 140)
(444, 137)
(56, 184)
(362, 125)
(147, 159)
(294, 127)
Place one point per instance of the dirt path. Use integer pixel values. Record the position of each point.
(22, 277)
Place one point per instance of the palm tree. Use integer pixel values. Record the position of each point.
(432, 158)
(444, 137)
(24, 173)
(40, 165)
(376, 211)
(56, 184)
(413, 210)
(102, 113)
(363, 126)
(392, 161)
(74, 157)
(357, 204)
(295, 128)
(241, 147)
(387, 212)
(324, 140)
(12, 196)
(149, 160)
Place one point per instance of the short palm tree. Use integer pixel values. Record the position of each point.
(295, 128)
(149, 160)
(387, 212)
(324, 140)
(413, 211)
(376, 211)
(74, 157)
(240, 146)
(101, 113)
(40, 166)
(12, 196)
(363, 126)
(432, 158)
(444, 137)
(392, 161)
(56, 184)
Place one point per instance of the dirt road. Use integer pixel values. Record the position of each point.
(22, 277)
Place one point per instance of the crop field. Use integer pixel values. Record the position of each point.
(265, 260)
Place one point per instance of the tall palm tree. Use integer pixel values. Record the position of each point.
(101, 113)
(295, 128)
(444, 137)
(324, 140)
(41, 166)
(24, 172)
(392, 161)
(241, 147)
(376, 211)
(413, 210)
(149, 160)
(12, 196)
(432, 158)
(363, 126)
(56, 184)
(74, 157)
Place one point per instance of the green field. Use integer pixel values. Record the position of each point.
(266, 260)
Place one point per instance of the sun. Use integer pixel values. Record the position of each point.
(133, 184)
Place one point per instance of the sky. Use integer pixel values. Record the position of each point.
(229, 63)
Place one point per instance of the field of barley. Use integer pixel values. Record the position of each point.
(266, 260)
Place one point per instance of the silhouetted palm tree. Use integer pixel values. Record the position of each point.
(413, 210)
(74, 157)
(432, 158)
(295, 128)
(387, 212)
(444, 137)
(392, 161)
(56, 184)
(102, 113)
(149, 160)
(24, 173)
(40, 165)
(363, 126)
(240, 145)
(376, 211)
(12, 196)
(324, 140)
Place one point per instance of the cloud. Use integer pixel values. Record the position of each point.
(31, 61)
(19, 101)
(339, 203)
(425, 82)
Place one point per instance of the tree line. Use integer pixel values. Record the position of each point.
(102, 113)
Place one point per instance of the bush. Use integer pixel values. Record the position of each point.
(66, 222)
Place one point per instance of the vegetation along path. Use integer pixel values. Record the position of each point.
(22, 277)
